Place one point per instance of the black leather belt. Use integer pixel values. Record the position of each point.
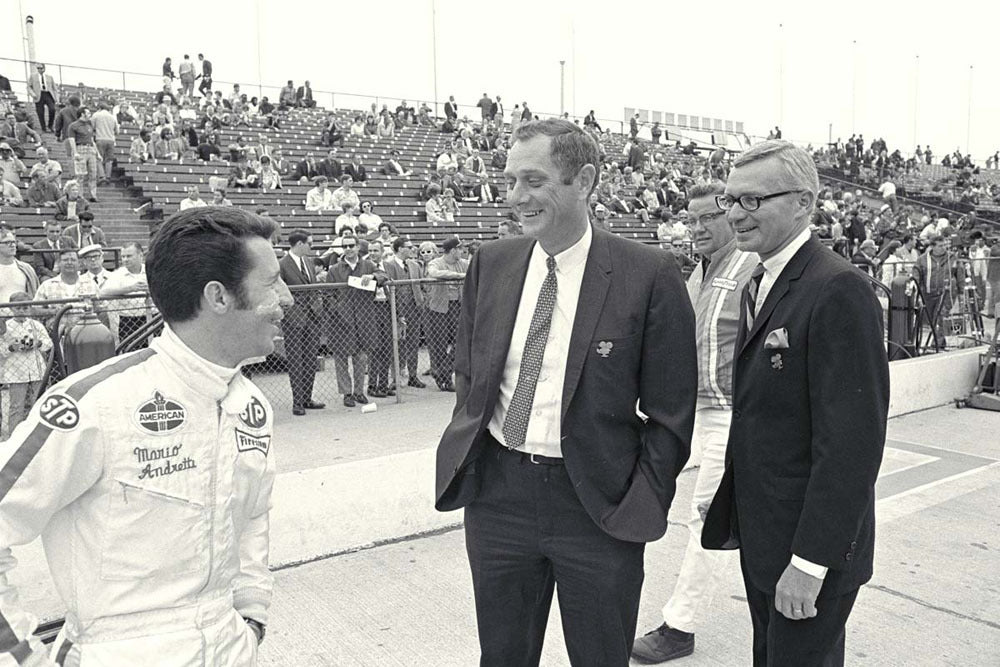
(524, 457)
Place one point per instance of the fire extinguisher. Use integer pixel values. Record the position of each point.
(87, 343)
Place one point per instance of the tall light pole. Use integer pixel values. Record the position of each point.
(260, 74)
(24, 43)
(968, 120)
(781, 75)
(562, 87)
(572, 57)
(916, 88)
(854, 85)
(434, 47)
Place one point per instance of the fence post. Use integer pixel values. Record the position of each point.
(60, 76)
(124, 87)
(395, 343)
(333, 101)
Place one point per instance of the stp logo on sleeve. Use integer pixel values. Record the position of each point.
(59, 412)
(254, 414)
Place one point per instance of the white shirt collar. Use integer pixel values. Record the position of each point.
(569, 258)
(775, 264)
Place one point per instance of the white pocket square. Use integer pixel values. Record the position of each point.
(777, 340)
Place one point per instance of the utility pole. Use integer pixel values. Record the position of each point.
(854, 85)
(434, 47)
(916, 88)
(968, 120)
(562, 87)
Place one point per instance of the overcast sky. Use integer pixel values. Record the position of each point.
(764, 63)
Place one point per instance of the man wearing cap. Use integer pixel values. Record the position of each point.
(601, 217)
(92, 258)
(11, 168)
(865, 258)
(444, 305)
(84, 232)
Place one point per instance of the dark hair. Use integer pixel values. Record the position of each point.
(144, 135)
(86, 216)
(195, 247)
(74, 101)
(133, 244)
(571, 147)
(297, 236)
(399, 242)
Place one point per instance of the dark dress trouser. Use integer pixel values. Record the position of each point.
(811, 642)
(527, 533)
(301, 347)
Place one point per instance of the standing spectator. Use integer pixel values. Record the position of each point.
(287, 97)
(193, 199)
(71, 204)
(205, 87)
(379, 383)
(11, 168)
(934, 271)
(15, 275)
(41, 194)
(485, 105)
(301, 325)
(106, 136)
(50, 169)
(888, 192)
(451, 108)
(22, 362)
(656, 132)
(715, 290)
(633, 127)
(43, 92)
(187, 75)
(444, 304)
(168, 73)
(351, 330)
(410, 306)
(48, 249)
(83, 153)
(92, 259)
(526, 113)
(496, 112)
(84, 233)
(993, 278)
(319, 198)
(129, 279)
(304, 96)
(66, 116)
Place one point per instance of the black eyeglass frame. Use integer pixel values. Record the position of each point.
(747, 202)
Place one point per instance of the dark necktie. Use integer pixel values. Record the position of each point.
(704, 267)
(752, 287)
(515, 425)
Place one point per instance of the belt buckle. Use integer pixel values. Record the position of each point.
(531, 457)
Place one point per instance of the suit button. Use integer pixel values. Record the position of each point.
(455, 469)
(849, 556)
(854, 545)
(737, 414)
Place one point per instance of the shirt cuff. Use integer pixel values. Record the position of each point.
(812, 569)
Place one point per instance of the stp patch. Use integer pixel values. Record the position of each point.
(59, 412)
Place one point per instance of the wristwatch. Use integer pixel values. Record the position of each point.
(257, 627)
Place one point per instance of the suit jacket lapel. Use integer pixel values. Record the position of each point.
(791, 273)
(507, 294)
(593, 291)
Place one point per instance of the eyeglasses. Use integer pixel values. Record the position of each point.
(12, 243)
(350, 245)
(426, 252)
(747, 202)
(708, 217)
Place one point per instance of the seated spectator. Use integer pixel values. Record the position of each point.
(498, 160)
(399, 123)
(304, 96)
(280, 164)
(165, 96)
(349, 219)
(450, 205)
(71, 205)
(84, 233)
(208, 149)
(167, 147)
(332, 133)
(346, 194)
(11, 168)
(368, 218)
(485, 193)
(193, 200)
(41, 193)
(263, 146)
(138, 151)
(234, 96)
(239, 149)
(393, 167)
(475, 163)
(189, 137)
(47, 259)
(433, 208)
(358, 127)
(241, 175)
(287, 96)
(266, 108)
(601, 217)
(219, 198)
(865, 258)
(355, 169)
(319, 198)
(424, 116)
(386, 233)
(307, 170)
(50, 170)
(386, 128)
(126, 114)
(270, 179)
(447, 160)
(10, 194)
(371, 126)
(331, 167)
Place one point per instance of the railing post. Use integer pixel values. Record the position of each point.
(60, 76)
(395, 343)
(124, 87)
(333, 102)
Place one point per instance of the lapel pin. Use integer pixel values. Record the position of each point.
(776, 362)
(604, 348)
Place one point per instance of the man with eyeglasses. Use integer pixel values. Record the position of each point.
(798, 493)
(301, 325)
(84, 233)
(15, 275)
(715, 287)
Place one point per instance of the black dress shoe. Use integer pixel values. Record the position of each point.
(414, 382)
(663, 644)
(313, 405)
(298, 412)
(376, 393)
(361, 398)
(447, 386)
(348, 401)
(391, 391)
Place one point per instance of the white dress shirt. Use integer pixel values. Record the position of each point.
(544, 424)
(773, 266)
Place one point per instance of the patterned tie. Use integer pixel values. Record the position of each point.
(752, 287)
(515, 425)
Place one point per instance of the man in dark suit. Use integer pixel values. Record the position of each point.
(302, 322)
(304, 96)
(486, 193)
(393, 167)
(798, 493)
(307, 169)
(331, 167)
(410, 305)
(356, 170)
(451, 108)
(562, 332)
(52, 244)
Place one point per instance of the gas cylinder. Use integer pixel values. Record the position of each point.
(87, 343)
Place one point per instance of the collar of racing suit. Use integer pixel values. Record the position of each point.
(226, 386)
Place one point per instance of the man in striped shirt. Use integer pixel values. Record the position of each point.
(715, 287)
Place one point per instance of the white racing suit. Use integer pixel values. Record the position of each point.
(149, 479)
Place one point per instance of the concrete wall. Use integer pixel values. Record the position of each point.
(937, 379)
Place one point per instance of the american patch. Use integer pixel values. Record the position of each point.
(59, 412)
(254, 415)
(160, 415)
(249, 443)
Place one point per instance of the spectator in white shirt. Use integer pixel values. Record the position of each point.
(345, 194)
(368, 219)
(447, 160)
(319, 198)
(348, 219)
(193, 200)
(50, 169)
(888, 190)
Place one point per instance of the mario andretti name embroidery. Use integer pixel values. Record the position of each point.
(167, 467)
